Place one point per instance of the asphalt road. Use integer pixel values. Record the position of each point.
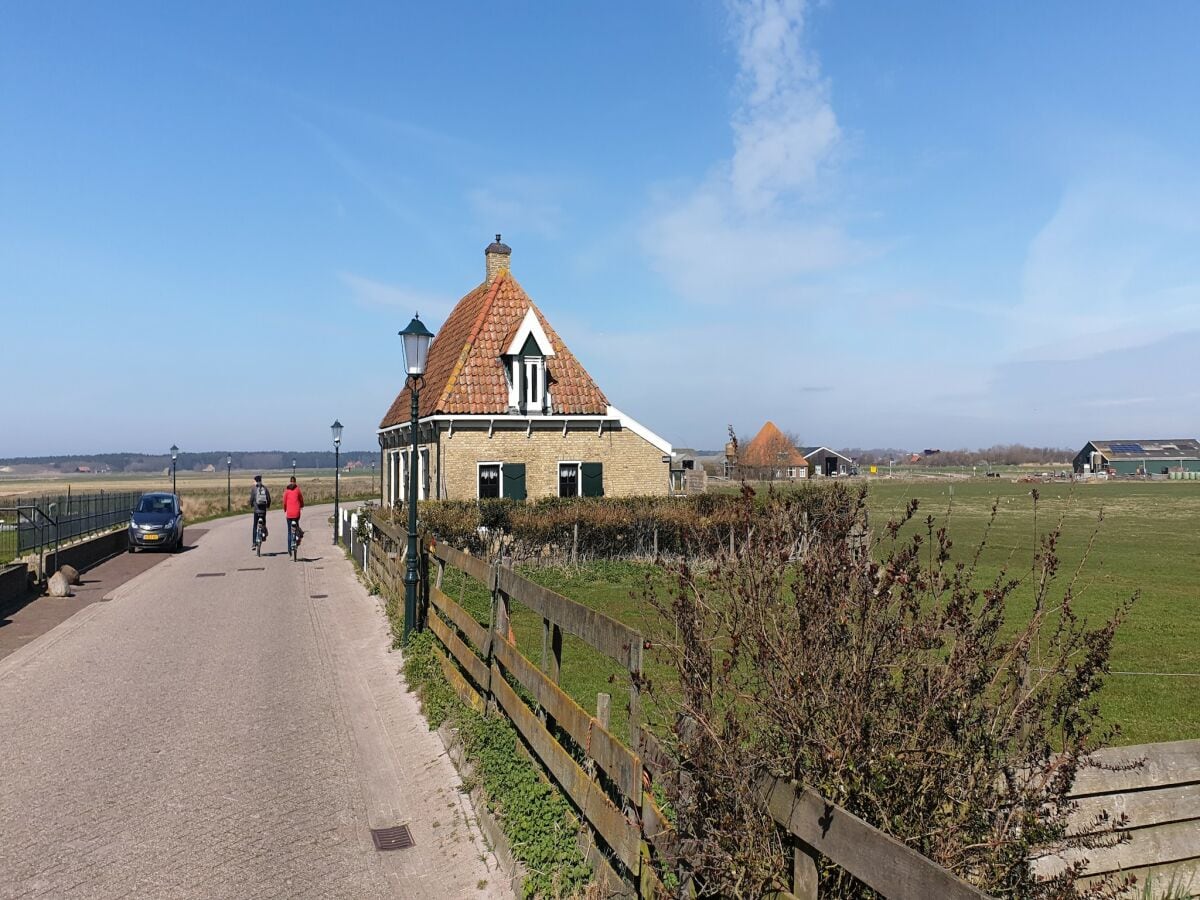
(227, 726)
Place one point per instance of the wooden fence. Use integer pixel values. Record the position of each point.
(1157, 788)
(608, 782)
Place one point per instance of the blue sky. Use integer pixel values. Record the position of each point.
(910, 225)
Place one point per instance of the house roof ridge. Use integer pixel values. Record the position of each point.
(469, 343)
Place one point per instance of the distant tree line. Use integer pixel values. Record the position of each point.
(191, 462)
(998, 455)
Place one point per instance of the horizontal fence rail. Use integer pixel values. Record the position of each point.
(608, 782)
(1156, 787)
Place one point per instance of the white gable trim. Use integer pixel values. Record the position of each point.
(639, 429)
(827, 450)
(530, 325)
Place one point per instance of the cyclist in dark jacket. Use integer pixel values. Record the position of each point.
(260, 502)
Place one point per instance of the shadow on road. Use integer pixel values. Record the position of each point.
(186, 548)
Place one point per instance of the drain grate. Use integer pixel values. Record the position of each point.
(318, 596)
(398, 838)
(210, 574)
(254, 569)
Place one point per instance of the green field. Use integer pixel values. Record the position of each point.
(1149, 542)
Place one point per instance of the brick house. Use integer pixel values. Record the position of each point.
(506, 410)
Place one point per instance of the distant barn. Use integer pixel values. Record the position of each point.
(1156, 457)
(824, 461)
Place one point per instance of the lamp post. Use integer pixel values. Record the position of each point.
(336, 428)
(293, 467)
(174, 457)
(416, 346)
(229, 483)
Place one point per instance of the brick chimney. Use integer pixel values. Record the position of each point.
(497, 255)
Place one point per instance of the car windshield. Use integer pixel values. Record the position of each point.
(156, 505)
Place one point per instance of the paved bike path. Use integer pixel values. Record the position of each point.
(227, 726)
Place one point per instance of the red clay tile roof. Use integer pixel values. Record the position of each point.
(770, 449)
(464, 373)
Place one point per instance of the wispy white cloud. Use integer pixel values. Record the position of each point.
(785, 130)
(711, 253)
(386, 192)
(531, 204)
(751, 225)
(1113, 267)
(369, 293)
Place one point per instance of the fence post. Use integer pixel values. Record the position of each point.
(804, 871)
(423, 595)
(498, 627)
(635, 691)
(552, 638)
(656, 543)
(575, 544)
(603, 714)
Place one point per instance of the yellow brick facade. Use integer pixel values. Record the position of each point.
(632, 465)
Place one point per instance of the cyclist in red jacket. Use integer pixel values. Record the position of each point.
(293, 502)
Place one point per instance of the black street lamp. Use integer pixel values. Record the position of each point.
(174, 457)
(336, 428)
(416, 348)
(229, 483)
(293, 468)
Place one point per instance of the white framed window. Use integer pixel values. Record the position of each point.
(402, 474)
(569, 482)
(535, 382)
(489, 483)
(394, 470)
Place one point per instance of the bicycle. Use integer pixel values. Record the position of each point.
(260, 527)
(295, 536)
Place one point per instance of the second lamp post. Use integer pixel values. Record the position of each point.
(174, 457)
(416, 348)
(336, 428)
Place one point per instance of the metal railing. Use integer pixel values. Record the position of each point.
(36, 524)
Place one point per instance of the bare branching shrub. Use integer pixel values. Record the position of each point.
(883, 674)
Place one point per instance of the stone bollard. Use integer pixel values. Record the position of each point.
(71, 573)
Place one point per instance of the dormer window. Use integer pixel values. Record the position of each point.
(525, 368)
(535, 381)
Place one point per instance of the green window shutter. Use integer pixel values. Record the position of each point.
(593, 479)
(514, 481)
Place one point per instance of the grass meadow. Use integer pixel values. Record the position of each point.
(1149, 541)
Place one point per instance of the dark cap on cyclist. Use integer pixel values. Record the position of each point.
(258, 478)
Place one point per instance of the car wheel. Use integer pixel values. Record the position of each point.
(179, 543)
(133, 548)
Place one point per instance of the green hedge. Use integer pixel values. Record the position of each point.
(607, 527)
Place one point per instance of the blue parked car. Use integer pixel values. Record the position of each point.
(157, 521)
